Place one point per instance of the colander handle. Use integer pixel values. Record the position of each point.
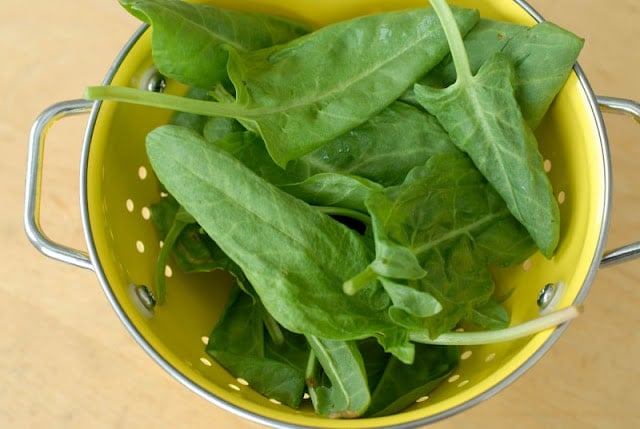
(33, 189)
(632, 108)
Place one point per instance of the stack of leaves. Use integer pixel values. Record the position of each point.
(359, 181)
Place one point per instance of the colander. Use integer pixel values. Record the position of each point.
(117, 187)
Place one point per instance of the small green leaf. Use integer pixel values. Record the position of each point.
(401, 384)
(348, 394)
(414, 302)
(490, 316)
(238, 342)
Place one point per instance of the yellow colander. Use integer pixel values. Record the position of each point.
(118, 187)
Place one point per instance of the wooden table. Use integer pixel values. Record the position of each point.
(67, 362)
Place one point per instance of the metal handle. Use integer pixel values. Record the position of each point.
(632, 108)
(32, 226)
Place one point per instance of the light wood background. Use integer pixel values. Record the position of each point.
(67, 362)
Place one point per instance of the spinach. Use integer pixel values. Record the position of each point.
(181, 220)
(239, 343)
(542, 56)
(485, 39)
(401, 135)
(346, 395)
(401, 384)
(393, 48)
(289, 251)
(358, 219)
(483, 119)
(339, 191)
(436, 235)
(190, 120)
(190, 40)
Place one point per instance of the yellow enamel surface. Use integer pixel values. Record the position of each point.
(121, 186)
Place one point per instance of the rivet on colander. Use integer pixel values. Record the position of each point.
(145, 297)
(549, 296)
(153, 81)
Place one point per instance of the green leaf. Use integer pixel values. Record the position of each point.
(447, 218)
(483, 119)
(216, 129)
(189, 41)
(366, 151)
(401, 384)
(484, 40)
(543, 56)
(393, 48)
(238, 342)
(333, 189)
(490, 316)
(411, 301)
(401, 136)
(347, 396)
(295, 257)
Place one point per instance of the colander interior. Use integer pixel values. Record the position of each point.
(120, 187)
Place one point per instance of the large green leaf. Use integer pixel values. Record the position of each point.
(483, 119)
(189, 40)
(543, 57)
(401, 137)
(281, 96)
(294, 256)
(393, 50)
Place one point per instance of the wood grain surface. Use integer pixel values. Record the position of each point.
(67, 362)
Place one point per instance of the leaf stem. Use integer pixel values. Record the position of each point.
(525, 329)
(164, 101)
(341, 211)
(273, 328)
(360, 280)
(169, 241)
(454, 38)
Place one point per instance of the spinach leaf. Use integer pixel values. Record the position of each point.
(483, 41)
(181, 220)
(375, 360)
(401, 136)
(295, 257)
(383, 149)
(401, 384)
(483, 119)
(490, 315)
(543, 56)
(191, 248)
(335, 190)
(347, 393)
(215, 129)
(307, 109)
(238, 343)
(436, 234)
(189, 40)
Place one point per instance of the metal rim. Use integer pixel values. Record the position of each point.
(199, 390)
